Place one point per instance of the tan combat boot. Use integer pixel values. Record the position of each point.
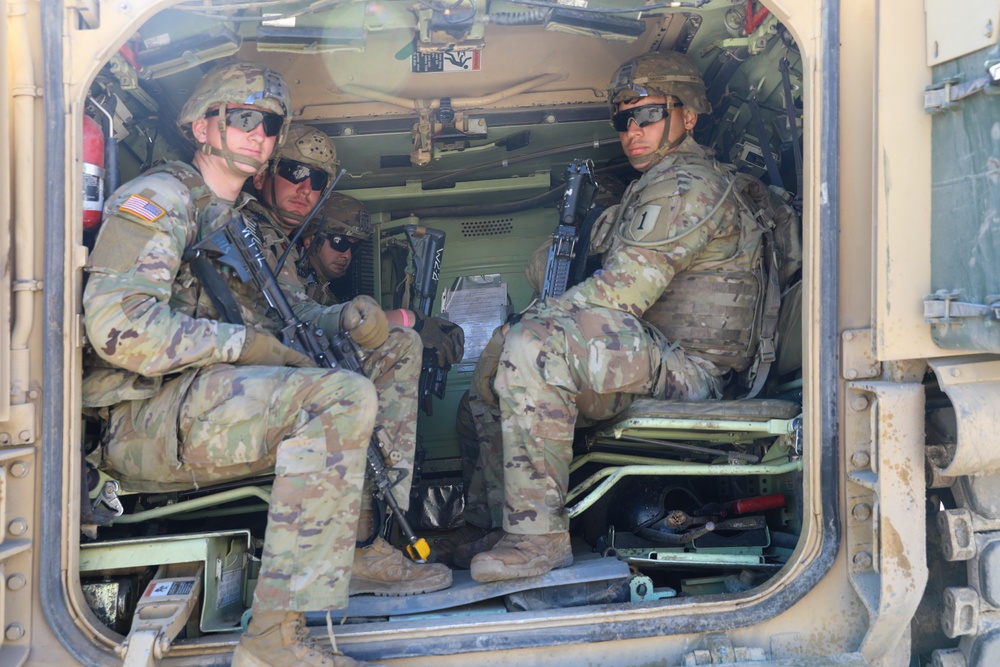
(444, 547)
(517, 556)
(382, 569)
(280, 639)
(464, 553)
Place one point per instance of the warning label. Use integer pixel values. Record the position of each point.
(229, 591)
(164, 588)
(456, 61)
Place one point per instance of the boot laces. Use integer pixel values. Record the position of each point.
(303, 636)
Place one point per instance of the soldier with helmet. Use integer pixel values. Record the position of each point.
(190, 397)
(668, 315)
(289, 188)
(329, 244)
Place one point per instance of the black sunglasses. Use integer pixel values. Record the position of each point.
(643, 116)
(341, 243)
(248, 119)
(296, 172)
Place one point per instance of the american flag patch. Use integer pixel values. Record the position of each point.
(142, 208)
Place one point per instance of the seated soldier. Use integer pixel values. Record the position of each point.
(639, 326)
(341, 224)
(192, 398)
(289, 189)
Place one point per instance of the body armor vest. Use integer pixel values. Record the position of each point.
(711, 308)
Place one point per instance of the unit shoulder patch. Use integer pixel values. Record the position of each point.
(644, 221)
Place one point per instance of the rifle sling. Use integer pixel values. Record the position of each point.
(217, 288)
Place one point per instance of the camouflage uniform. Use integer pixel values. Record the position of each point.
(481, 442)
(667, 315)
(394, 367)
(180, 415)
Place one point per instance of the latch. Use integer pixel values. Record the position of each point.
(162, 612)
(108, 497)
(443, 130)
(944, 95)
(943, 307)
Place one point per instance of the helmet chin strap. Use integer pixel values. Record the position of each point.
(665, 148)
(283, 214)
(224, 152)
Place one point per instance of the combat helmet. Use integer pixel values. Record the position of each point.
(304, 145)
(342, 216)
(309, 146)
(236, 83)
(659, 74)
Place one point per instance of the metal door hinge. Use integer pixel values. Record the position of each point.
(944, 95)
(943, 306)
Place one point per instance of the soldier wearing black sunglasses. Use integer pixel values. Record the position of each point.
(222, 398)
(288, 190)
(671, 312)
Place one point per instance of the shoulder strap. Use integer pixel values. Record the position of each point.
(207, 273)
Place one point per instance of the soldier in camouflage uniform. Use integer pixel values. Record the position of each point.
(343, 223)
(668, 314)
(289, 189)
(191, 398)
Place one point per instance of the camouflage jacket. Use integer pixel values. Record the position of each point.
(676, 253)
(317, 289)
(146, 314)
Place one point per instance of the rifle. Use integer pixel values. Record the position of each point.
(577, 201)
(238, 247)
(428, 248)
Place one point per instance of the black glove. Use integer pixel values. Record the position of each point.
(445, 338)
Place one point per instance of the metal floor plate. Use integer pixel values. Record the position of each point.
(464, 591)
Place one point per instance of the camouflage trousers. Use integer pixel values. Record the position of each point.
(394, 368)
(310, 426)
(560, 367)
(481, 442)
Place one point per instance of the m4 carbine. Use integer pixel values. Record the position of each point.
(563, 265)
(427, 245)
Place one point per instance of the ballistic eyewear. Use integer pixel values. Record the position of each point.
(341, 243)
(296, 172)
(247, 120)
(643, 116)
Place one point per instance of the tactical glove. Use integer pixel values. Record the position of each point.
(263, 349)
(446, 339)
(365, 321)
(486, 368)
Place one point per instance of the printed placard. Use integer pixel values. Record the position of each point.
(158, 589)
(453, 61)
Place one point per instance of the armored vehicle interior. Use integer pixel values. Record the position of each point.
(463, 116)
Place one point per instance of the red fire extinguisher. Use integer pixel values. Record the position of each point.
(93, 172)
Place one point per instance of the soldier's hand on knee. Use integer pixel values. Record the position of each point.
(486, 368)
(263, 349)
(366, 322)
(447, 339)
